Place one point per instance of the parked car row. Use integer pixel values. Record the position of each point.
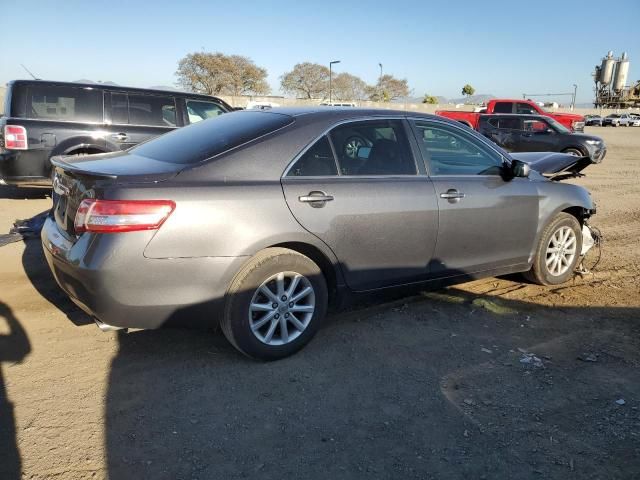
(614, 120)
(43, 118)
(535, 133)
(571, 121)
(257, 220)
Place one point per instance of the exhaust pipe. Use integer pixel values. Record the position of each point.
(106, 327)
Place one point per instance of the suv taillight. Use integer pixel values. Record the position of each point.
(15, 137)
(111, 216)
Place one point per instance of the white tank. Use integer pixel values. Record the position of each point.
(622, 72)
(606, 69)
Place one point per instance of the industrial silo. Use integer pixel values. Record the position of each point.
(606, 69)
(622, 72)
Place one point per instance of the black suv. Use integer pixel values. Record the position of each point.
(535, 133)
(44, 118)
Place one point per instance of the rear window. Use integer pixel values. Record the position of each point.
(64, 103)
(208, 138)
(503, 107)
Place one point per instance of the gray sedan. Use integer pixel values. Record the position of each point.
(258, 220)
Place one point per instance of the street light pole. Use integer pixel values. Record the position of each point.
(380, 83)
(330, 72)
(573, 101)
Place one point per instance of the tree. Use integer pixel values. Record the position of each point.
(308, 80)
(345, 86)
(217, 73)
(468, 90)
(388, 88)
(430, 99)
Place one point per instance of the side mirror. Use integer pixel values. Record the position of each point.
(520, 169)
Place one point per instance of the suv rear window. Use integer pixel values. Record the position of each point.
(208, 138)
(64, 103)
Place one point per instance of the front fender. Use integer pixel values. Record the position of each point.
(555, 197)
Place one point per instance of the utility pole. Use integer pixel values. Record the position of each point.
(573, 100)
(330, 72)
(380, 83)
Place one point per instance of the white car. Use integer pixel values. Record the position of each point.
(617, 120)
(634, 121)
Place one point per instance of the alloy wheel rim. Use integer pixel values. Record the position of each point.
(282, 308)
(351, 147)
(561, 251)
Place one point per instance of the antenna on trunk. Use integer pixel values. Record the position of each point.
(29, 72)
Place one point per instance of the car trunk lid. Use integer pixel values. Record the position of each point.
(77, 178)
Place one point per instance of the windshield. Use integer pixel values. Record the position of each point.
(208, 138)
(557, 126)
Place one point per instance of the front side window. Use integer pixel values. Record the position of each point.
(453, 152)
(373, 147)
(199, 110)
(119, 108)
(64, 103)
(535, 126)
(525, 109)
(316, 161)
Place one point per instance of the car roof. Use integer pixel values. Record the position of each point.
(105, 86)
(319, 112)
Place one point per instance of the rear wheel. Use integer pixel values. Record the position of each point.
(275, 304)
(558, 251)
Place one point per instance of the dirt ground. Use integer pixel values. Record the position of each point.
(492, 379)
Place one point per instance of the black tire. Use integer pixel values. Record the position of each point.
(574, 151)
(539, 272)
(235, 323)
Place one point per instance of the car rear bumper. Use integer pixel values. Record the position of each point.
(25, 168)
(109, 278)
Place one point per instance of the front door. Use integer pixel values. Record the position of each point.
(486, 222)
(359, 190)
(537, 136)
(136, 118)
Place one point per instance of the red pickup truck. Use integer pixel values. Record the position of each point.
(572, 121)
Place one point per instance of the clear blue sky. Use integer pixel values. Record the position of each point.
(504, 48)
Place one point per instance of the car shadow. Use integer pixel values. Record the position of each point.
(396, 390)
(40, 276)
(14, 348)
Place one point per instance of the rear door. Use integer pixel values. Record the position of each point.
(134, 118)
(361, 192)
(486, 222)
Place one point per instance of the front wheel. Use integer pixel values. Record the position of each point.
(558, 251)
(275, 304)
(573, 151)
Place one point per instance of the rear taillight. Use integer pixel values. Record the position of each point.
(111, 216)
(15, 137)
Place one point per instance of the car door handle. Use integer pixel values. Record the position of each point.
(121, 137)
(316, 199)
(452, 194)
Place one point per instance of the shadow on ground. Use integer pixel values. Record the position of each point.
(14, 347)
(439, 385)
(401, 390)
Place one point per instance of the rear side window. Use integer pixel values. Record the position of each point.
(317, 161)
(64, 103)
(505, 123)
(206, 139)
(146, 110)
(502, 107)
(152, 110)
(198, 110)
(373, 147)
